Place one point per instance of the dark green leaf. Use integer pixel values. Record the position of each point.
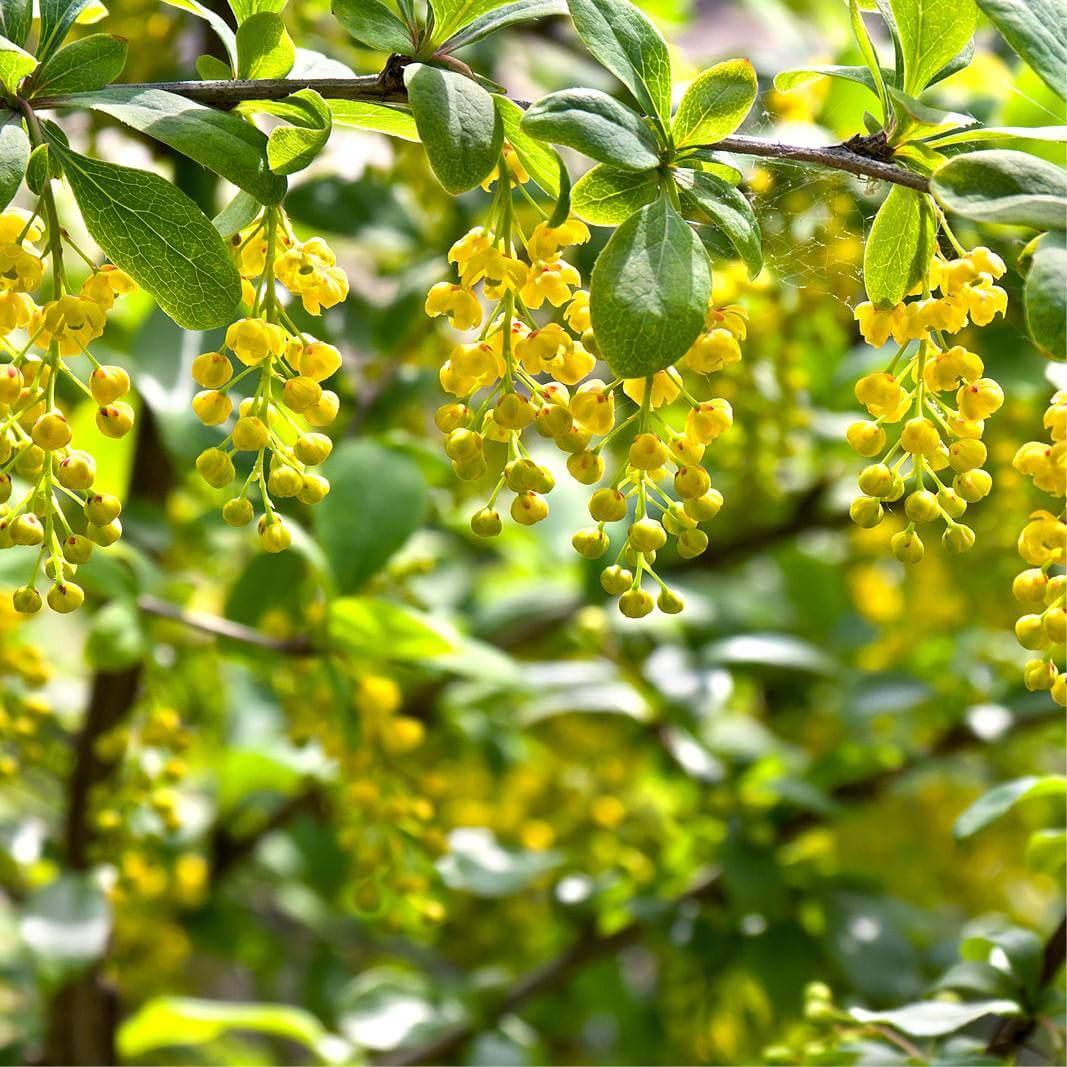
(89, 63)
(376, 503)
(1045, 297)
(1003, 186)
(541, 162)
(159, 236)
(931, 33)
(16, 17)
(14, 155)
(501, 17)
(221, 141)
(458, 124)
(713, 200)
(649, 292)
(596, 125)
(1034, 29)
(41, 169)
(57, 17)
(715, 104)
(237, 214)
(372, 23)
(605, 196)
(899, 247)
(621, 37)
(264, 48)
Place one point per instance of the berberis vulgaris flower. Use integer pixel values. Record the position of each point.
(280, 423)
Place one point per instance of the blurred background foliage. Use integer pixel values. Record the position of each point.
(499, 823)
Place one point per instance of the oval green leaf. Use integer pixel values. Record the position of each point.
(716, 103)
(1045, 297)
(375, 25)
(157, 235)
(649, 292)
(606, 196)
(457, 122)
(710, 199)
(899, 247)
(90, 63)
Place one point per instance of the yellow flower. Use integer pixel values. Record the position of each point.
(577, 314)
(1043, 540)
(952, 368)
(546, 241)
(72, 322)
(17, 311)
(550, 280)
(880, 393)
(537, 347)
(877, 325)
(593, 407)
(985, 301)
(502, 274)
(459, 304)
(516, 170)
(712, 351)
(571, 366)
(253, 340)
(13, 222)
(665, 388)
(309, 271)
(20, 271)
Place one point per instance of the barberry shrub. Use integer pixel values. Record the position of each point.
(601, 317)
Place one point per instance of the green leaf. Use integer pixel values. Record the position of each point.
(870, 55)
(89, 63)
(15, 64)
(40, 169)
(476, 863)
(157, 235)
(377, 117)
(116, 638)
(210, 68)
(710, 199)
(57, 17)
(215, 21)
(596, 125)
(649, 292)
(377, 501)
(979, 979)
(1045, 297)
(182, 1022)
(1034, 29)
(931, 33)
(458, 124)
(605, 196)
(1009, 134)
(1046, 851)
(998, 185)
(1023, 949)
(68, 922)
(237, 214)
(899, 247)
(452, 15)
(372, 628)
(16, 17)
(541, 163)
(218, 140)
(373, 24)
(935, 1018)
(14, 156)
(622, 38)
(798, 77)
(245, 9)
(264, 48)
(293, 147)
(500, 18)
(1000, 800)
(715, 104)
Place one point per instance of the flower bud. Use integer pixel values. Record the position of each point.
(284, 481)
(907, 547)
(238, 511)
(922, 506)
(105, 534)
(274, 535)
(27, 600)
(313, 489)
(866, 512)
(647, 535)
(300, 393)
(591, 542)
(692, 543)
(669, 602)
(77, 549)
(635, 603)
(705, 507)
(77, 471)
(250, 434)
(607, 505)
(586, 467)
(529, 508)
(958, 538)
(616, 580)
(215, 467)
(486, 523)
(115, 420)
(104, 507)
(211, 370)
(312, 448)
(108, 384)
(65, 597)
(51, 431)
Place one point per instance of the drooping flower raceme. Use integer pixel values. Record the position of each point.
(42, 471)
(928, 407)
(1042, 587)
(280, 423)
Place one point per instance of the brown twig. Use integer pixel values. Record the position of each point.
(387, 88)
(300, 645)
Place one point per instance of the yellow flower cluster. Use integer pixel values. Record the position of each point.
(1042, 587)
(517, 372)
(27, 722)
(279, 424)
(36, 440)
(917, 390)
